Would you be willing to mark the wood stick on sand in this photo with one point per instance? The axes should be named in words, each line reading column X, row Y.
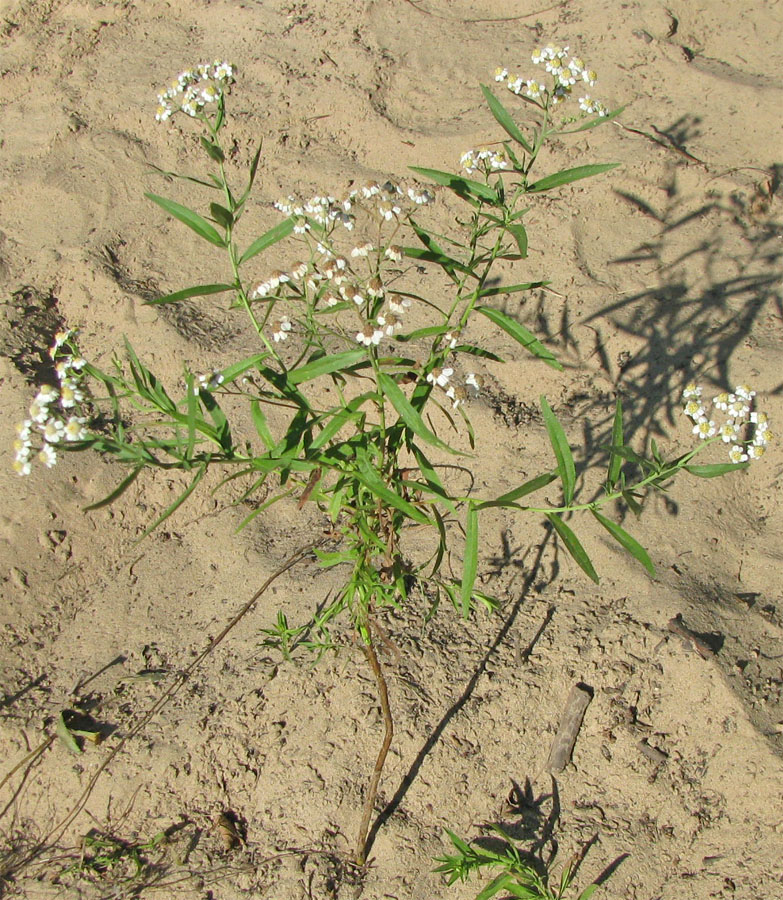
column 570, row 723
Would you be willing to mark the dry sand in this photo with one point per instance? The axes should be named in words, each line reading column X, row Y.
column 665, row 269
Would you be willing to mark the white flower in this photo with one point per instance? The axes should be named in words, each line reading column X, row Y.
column 38, row 412
column 468, row 161
column 209, row 382
column 370, row 189
column 756, row 451
column 501, row 74
column 473, row 381
column 262, row 290
column 284, row 326
column 456, row 395
column 53, row 430
column 394, row 253
column 330, row 299
column 760, row 420
column 24, row 429
column 22, row 466
column 737, row 454
column 298, row 270
column 450, row 340
column 440, row 377
column 370, row 335
column 737, row 408
column 534, row 89
column 398, row 304
column 694, row 409
column 744, row 392
column 48, row 455
column 70, row 394
column 363, row 250
column 729, row 432
column 375, row 288
column 421, row 198
column 46, row 395
column 74, row 429
column 389, row 212
column 59, row 339
column 704, row 428
column 691, row 392
column 721, row 401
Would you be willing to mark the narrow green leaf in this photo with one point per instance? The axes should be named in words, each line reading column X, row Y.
column 470, row 563
column 408, row 414
column 192, row 400
column 221, row 215
column 615, row 459
column 632, row 502
column 571, row 543
column 448, row 263
column 64, row 734
column 512, row 288
column 519, row 234
column 503, row 118
column 503, row 882
column 200, row 290
column 213, row 150
column 588, row 892
column 523, row 490
column 254, row 168
column 223, row 432
column 625, row 540
column 117, row 492
column 431, row 477
column 370, row 478
column 325, row 365
column 594, row 123
column 521, row 335
column 262, row 426
column 462, row 187
column 569, row 175
column 563, row 455
column 268, row 239
column 231, row 373
column 713, row 470
column 192, row 219
column 177, row 503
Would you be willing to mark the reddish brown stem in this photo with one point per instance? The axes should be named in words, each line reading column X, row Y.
column 372, row 789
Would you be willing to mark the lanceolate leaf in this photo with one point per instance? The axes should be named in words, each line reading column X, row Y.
column 594, row 123
column 523, row 490
column 503, row 118
column 373, row 481
column 565, row 460
column 463, row 187
column 520, row 236
column 192, row 219
column 470, row 565
column 327, row 364
column 520, row 334
column 268, row 239
column 119, row 490
column 712, row 470
column 572, row 544
column 408, row 414
column 569, row 175
column 200, row 290
column 631, row 544
column 512, row 288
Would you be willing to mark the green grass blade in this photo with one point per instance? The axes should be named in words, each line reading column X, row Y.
column 563, row 455
column 521, row 335
column 503, row 118
column 594, row 123
column 462, row 187
column 615, row 460
column 200, row 290
column 572, row 544
column 268, row 239
column 178, row 502
column 192, row 219
column 625, row 540
column 470, row 564
column 569, row 175
column 117, row 492
column 408, row 414
column 503, row 882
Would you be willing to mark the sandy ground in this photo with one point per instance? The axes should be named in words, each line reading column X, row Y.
column 666, row 269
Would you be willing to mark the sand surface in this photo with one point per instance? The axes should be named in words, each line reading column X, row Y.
column 664, row 270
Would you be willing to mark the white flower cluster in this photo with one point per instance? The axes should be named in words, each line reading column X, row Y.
column 193, row 89
column 458, row 394
column 565, row 70
column 745, row 429
column 326, row 210
column 483, row 160
column 52, row 415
